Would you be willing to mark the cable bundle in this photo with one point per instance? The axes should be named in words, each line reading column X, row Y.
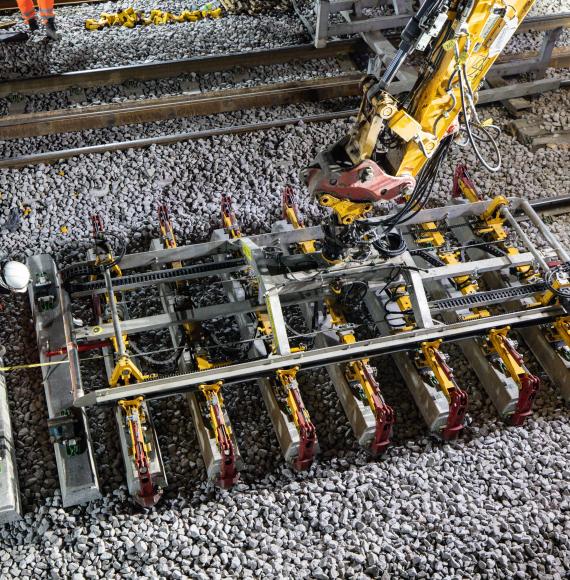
column 391, row 243
column 468, row 98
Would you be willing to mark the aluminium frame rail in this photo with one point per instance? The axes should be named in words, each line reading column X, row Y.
column 375, row 272
column 76, row 467
column 292, row 279
column 244, row 372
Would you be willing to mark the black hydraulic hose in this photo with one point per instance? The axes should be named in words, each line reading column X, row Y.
column 390, row 244
column 412, row 32
column 472, row 138
column 424, row 186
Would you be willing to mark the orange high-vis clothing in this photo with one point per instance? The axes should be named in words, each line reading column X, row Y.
column 46, row 9
column 28, row 11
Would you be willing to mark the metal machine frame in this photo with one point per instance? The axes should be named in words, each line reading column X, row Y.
column 264, row 276
column 10, row 504
column 355, row 23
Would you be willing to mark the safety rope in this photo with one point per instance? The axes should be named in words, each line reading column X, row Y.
column 129, row 18
column 83, row 360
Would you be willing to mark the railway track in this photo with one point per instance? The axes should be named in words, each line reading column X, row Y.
column 151, row 110
column 54, row 156
column 105, row 77
column 313, row 90
column 215, row 102
column 215, row 63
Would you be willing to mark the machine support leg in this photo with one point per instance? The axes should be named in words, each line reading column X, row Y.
column 10, row 505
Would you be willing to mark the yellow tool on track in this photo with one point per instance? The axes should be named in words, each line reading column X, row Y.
column 130, row 17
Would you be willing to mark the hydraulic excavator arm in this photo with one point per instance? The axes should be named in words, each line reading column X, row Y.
column 395, row 147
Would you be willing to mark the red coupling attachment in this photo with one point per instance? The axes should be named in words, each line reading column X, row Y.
column 384, row 414
column 385, row 419
column 307, row 436
column 367, row 182
column 229, row 474
column 462, row 181
column 457, row 410
column 527, row 394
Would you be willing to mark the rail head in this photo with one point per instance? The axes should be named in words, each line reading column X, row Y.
column 168, row 69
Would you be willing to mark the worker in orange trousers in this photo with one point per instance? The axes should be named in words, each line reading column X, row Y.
column 46, row 14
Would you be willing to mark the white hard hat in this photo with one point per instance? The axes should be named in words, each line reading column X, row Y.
column 15, row 276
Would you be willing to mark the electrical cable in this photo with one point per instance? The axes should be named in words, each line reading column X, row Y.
column 424, row 187
column 348, row 294
column 470, row 135
column 390, row 244
column 563, row 292
column 399, row 313
column 153, row 361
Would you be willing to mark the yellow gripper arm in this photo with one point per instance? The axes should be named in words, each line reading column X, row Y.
column 396, row 146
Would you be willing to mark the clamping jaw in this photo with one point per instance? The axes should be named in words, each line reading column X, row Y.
column 346, row 172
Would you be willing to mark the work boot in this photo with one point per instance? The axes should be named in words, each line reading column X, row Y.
column 33, row 24
column 50, row 29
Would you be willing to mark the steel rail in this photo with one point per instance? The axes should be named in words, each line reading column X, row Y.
column 545, row 22
column 54, row 156
column 488, row 96
column 169, row 69
column 150, row 110
column 549, row 204
column 174, row 68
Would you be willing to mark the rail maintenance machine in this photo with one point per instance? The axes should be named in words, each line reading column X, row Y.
column 400, row 281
